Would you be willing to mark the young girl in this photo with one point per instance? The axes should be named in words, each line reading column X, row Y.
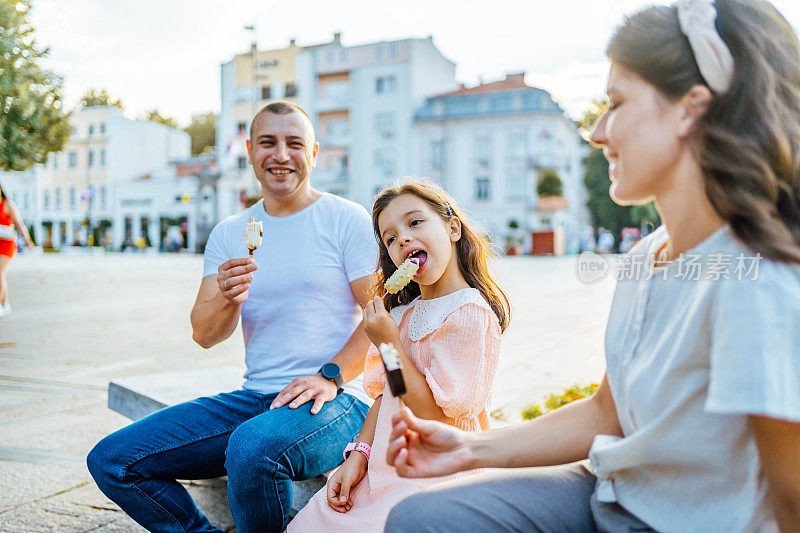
column 696, row 426
column 446, row 326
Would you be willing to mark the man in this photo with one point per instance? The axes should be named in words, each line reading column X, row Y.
column 298, row 301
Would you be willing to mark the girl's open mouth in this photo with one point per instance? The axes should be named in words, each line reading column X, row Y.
column 421, row 257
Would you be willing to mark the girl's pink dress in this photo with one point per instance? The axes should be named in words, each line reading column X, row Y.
column 455, row 342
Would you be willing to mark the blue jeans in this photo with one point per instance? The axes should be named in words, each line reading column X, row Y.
column 260, row 450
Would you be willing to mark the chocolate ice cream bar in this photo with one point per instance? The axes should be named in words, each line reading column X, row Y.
column 394, row 372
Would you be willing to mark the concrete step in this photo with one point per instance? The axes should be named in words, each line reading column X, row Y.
column 138, row 396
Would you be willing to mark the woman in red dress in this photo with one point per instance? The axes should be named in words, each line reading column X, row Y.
column 9, row 220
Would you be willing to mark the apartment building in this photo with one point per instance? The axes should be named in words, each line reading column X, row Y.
column 362, row 100
column 488, row 144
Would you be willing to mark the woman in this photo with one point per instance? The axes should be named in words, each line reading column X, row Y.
column 9, row 219
column 696, row 425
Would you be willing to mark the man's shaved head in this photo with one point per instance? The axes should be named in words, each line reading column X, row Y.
column 281, row 108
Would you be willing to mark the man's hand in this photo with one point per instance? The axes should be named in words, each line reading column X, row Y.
column 426, row 448
column 344, row 480
column 234, row 278
column 379, row 324
column 304, row 389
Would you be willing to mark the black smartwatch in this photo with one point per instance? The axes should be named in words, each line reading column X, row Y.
column 332, row 372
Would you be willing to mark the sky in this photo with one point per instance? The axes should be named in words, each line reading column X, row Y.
column 166, row 54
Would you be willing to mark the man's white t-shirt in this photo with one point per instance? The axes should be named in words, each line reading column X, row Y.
column 300, row 311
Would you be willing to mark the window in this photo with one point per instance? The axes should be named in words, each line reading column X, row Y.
column 91, row 158
column 102, row 128
column 73, row 159
column 516, row 145
column 483, row 190
column 337, row 90
column 291, row 90
column 73, row 131
column 58, row 198
column 102, row 197
column 336, row 129
column 437, row 154
column 384, row 161
column 46, row 200
column 102, row 157
column 385, row 84
column 483, row 149
column 384, row 124
column 266, row 92
column 242, row 162
column 515, row 185
column 27, row 200
column 72, row 197
column 55, row 160
column 91, row 130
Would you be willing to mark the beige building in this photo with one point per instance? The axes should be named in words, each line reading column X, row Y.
column 248, row 82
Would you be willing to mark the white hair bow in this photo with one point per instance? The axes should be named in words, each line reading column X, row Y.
column 714, row 59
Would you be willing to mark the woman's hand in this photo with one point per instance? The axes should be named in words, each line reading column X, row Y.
column 344, row 480
column 379, row 324
column 425, row 448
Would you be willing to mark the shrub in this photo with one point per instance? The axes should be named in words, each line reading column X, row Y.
column 549, row 184
column 554, row 401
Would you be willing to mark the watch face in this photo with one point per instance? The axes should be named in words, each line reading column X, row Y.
column 330, row 370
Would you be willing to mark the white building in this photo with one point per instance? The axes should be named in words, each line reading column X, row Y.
column 487, row 145
column 79, row 184
column 362, row 100
column 168, row 204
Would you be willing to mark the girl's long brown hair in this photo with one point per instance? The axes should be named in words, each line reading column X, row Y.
column 472, row 249
column 748, row 141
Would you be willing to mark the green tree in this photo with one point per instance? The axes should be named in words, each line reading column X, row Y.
column 155, row 116
column 203, row 131
column 603, row 210
column 549, row 184
column 95, row 98
column 32, row 120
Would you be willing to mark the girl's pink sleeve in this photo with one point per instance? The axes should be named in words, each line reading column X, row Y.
column 464, row 354
column 374, row 374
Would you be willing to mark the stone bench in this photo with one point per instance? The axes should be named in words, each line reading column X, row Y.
column 138, row 396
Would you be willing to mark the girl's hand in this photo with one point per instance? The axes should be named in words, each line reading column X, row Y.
column 379, row 324
column 344, row 479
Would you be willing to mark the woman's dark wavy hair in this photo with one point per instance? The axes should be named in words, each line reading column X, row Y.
column 473, row 249
column 748, row 142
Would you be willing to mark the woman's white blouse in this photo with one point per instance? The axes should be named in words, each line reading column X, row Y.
column 691, row 351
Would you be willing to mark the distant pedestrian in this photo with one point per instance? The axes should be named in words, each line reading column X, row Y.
column 588, row 243
column 605, row 241
column 9, row 220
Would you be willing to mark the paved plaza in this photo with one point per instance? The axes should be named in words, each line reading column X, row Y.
column 80, row 320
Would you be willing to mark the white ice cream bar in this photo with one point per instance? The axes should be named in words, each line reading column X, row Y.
column 402, row 276
column 390, row 356
column 252, row 234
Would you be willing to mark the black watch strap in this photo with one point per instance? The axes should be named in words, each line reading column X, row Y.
column 332, row 372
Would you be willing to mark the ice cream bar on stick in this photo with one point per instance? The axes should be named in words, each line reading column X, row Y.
column 394, row 369
column 402, row 276
column 252, row 235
